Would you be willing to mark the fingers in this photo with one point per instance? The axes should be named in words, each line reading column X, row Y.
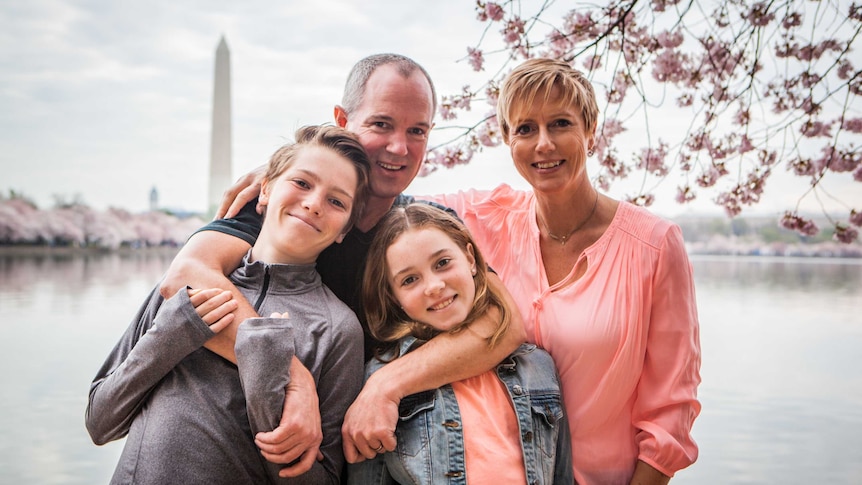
column 368, row 446
column 302, row 466
column 283, row 453
column 280, row 315
column 240, row 193
column 242, row 198
column 214, row 306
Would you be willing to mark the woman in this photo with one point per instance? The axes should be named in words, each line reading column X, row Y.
column 191, row 416
column 604, row 286
column 425, row 276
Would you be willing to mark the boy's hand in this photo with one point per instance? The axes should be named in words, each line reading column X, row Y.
column 214, row 306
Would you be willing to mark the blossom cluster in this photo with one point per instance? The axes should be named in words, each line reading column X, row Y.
column 757, row 84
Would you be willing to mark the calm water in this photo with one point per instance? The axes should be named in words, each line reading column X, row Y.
column 782, row 366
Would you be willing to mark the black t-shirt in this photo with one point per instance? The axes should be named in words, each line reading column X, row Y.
column 340, row 265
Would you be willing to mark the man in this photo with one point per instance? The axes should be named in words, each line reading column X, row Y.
column 389, row 102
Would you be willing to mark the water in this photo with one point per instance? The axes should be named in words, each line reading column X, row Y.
column 782, row 366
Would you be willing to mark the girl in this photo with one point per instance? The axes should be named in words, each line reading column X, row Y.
column 189, row 415
column 424, row 275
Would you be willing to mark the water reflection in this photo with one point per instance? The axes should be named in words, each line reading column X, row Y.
column 817, row 274
column 782, row 370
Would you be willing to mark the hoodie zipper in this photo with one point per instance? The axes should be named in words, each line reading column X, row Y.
column 263, row 290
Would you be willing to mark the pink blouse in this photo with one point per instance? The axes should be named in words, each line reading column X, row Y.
column 624, row 337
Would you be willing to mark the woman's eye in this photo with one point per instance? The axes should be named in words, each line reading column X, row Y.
column 562, row 123
column 337, row 203
column 443, row 262
column 408, row 280
column 522, row 130
column 302, row 183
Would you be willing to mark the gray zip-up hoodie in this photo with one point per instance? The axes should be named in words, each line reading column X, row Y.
column 190, row 415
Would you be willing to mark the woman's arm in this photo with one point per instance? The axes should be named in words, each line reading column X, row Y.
column 666, row 404
column 444, row 359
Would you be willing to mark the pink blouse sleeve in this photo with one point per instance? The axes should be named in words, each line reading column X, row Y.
column 666, row 403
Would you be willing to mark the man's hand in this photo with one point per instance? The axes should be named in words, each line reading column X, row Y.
column 296, row 440
column 241, row 193
column 214, row 306
column 369, row 425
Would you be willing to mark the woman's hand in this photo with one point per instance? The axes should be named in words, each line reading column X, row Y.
column 214, row 306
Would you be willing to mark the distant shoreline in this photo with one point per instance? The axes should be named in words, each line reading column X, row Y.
column 40, row 250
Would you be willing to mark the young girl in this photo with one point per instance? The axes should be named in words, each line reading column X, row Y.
column 425, row 275
column 191, row 416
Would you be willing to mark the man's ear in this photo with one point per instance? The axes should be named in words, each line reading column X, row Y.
column 340, row 116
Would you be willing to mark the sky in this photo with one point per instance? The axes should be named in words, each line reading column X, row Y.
column 103, row 100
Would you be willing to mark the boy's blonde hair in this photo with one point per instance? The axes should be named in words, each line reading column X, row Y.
column 338, row 140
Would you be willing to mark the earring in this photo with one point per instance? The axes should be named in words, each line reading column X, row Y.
column 590, row 152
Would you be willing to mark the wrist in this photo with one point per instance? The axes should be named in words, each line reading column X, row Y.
column 385, row 383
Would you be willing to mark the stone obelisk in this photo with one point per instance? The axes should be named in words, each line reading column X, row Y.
column 220, row 145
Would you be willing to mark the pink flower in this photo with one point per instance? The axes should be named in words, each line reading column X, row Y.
column 793, row 19
column 759, row 15
column 670, row 40
column 853, row 125
column 813, row 129
column 745, row 144
column 513, row 31
column 794, row 222
column 653, row 160
column 494, row 11
column 855, row 218
column 476, row 58
column 845, row 234
column 643, row 200
column 684, row 195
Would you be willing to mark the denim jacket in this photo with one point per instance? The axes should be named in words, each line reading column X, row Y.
column 430, row 448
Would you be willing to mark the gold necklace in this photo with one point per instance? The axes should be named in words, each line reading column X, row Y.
column 564, row 239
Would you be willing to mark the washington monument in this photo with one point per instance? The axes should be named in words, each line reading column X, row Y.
column 220, row 145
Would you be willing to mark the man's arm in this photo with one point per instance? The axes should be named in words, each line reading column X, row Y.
column 446, row 358
column 203, row 263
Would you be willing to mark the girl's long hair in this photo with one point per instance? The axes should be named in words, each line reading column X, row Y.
column 387, row 321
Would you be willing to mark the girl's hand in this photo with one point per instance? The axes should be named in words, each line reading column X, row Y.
column 215, row 307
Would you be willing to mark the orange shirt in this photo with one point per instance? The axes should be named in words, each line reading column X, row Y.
column 624, row 337
column 492, row 443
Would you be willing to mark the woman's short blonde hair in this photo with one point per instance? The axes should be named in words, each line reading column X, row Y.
column 534, row 80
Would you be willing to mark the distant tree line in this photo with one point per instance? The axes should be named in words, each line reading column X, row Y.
column 74, row 224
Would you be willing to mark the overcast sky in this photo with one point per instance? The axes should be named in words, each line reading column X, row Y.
column 106, row 99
